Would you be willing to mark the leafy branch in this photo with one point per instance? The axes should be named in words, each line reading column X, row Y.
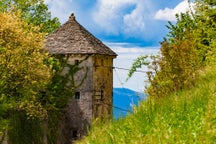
column 138, row 63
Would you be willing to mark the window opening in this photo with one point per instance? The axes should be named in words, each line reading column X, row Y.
column 77, row 95
column 102, row 94
column 76, row 62
column 75, row 134
column 102, row 62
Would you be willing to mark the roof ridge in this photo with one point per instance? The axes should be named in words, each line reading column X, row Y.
column 73, row 38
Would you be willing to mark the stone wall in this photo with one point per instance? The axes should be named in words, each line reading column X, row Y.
column 78, row 113
column 92, row 99
column 103, row 86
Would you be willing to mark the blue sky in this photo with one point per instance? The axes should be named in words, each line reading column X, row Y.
column 130, row 27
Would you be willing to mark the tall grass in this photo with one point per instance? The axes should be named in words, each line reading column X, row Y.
column 187, row 116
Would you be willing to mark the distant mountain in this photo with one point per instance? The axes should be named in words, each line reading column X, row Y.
column 123, row 100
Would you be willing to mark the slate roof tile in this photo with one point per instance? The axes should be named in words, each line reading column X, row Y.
column 73, row 38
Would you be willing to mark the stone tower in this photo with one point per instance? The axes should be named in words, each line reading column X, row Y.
column 93, row 98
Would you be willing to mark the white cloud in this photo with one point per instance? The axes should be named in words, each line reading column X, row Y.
column 122, row 16
column 169, row 14
column 134, row 22
column 109, row 13
column 134, row 52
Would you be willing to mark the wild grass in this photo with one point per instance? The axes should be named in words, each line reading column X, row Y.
column 187, row 116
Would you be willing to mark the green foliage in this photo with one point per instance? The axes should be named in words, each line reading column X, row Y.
column 22, row 75
column 21, row 127
column 181, row 103
column 138, row 63
column 62, row 84
column 189, row 46
column 206, row 23
column 22, row 71
column 177, row 68
column 187, row 116
column 33, row 11
column 177, row 64
column 34, row 87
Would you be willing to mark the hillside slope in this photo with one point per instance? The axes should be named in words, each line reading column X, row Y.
column 188, row 116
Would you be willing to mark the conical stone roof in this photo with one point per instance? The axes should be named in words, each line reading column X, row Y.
column 73, row 38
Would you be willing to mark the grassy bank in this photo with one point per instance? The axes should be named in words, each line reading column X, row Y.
column 188, row 116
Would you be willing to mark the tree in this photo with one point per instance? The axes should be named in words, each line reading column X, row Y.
column 23, row 73
column 189, row 46
column 206, row 23
column 176, row 66
column 33, row 11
